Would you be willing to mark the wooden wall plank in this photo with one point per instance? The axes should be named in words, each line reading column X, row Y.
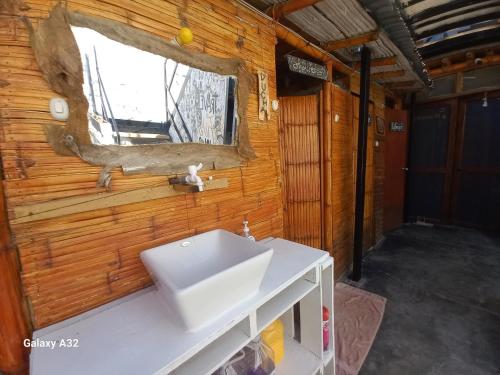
column 343, row 180
column 345, row 135
column 81, row 260
column 13, row 323
column 68, row 206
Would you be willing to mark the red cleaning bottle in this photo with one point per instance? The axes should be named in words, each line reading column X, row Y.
column 326, row 329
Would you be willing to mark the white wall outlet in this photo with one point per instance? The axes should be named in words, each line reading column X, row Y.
column 275, row 105
column 59, row 109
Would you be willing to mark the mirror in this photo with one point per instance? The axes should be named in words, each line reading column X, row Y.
column 133, row 67
column 139, row 98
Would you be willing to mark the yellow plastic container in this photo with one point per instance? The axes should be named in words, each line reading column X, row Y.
column 274, row 337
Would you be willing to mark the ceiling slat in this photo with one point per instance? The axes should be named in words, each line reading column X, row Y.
column 467, row 19
column 458, row 10
column 474, row 38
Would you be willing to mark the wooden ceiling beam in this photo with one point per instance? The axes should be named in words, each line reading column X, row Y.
column 389, row 74
column 445, row 61
column 350, row 42
column 292, row 38
column 384, row 61
column 394, row 85
column 468, row 64
column 280, row 10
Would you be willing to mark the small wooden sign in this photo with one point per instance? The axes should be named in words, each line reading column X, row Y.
column 380, row 126
column 397, row 126
column 308, row 68
column 264, row 107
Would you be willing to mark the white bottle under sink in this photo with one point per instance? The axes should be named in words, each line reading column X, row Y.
column 203, row 276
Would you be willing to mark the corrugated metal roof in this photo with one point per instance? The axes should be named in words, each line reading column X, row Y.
column 389, row 17
column 331, row 20
column 445, row 26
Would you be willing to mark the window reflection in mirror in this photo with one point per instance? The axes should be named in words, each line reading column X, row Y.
column 136, row 97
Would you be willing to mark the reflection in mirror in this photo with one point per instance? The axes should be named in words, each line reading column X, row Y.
column 136, row 97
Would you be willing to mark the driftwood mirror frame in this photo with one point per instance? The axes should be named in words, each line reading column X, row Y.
column 58, row 57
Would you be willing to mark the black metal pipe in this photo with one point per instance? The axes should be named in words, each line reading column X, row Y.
column 364, row 98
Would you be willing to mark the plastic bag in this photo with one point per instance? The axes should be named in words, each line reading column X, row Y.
column 274, row 337
column 253, row 359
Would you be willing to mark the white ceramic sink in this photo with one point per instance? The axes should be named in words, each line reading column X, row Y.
column 203, row 276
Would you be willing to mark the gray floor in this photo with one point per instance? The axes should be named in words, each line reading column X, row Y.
column 443, row 310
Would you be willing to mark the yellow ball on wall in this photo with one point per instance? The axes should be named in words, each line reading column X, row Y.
column 185, row 36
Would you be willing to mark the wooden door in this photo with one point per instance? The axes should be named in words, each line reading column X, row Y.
column 476, row 193
column 396, row 149
column 301, row 169
column 432, row 143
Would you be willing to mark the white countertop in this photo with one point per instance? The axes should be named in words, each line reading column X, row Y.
column 135, row 335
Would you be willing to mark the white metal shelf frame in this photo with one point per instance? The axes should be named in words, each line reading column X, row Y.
column 155, row 344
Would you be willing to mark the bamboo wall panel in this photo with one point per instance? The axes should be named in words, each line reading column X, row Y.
column 79, row 261
column 343, row 180
column 300, row 147
column 344, row 153
column 327, row 164
column 378, row 96
column 379, row 177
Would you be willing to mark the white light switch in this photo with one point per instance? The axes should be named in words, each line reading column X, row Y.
column 59, row 109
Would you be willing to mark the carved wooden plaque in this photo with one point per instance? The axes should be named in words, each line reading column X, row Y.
column 264, row 110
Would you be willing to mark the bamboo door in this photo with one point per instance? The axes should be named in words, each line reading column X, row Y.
column 301, row 169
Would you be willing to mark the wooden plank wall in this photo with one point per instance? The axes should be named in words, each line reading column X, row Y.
column 301, row 172
column 345, row 138
column 378, row 165
column 368, row 225
column 344, row 153
column 343, row 180
column 76, row 262
column 13, row 323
